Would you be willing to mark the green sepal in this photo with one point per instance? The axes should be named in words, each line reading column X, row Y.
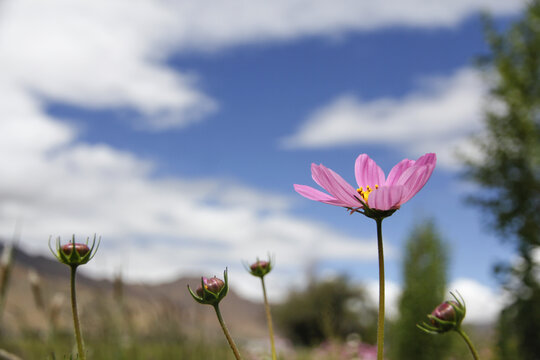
column 443, row 326
column 209, row 297
column 74, row 258
column 369, row 212
column 259, row 271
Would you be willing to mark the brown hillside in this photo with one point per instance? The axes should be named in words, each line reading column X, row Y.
column 136, row 307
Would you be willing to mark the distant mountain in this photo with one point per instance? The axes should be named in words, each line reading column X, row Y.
column 148, row 306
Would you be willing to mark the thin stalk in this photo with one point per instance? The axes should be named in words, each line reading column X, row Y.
column 226, row 332
column 6, row 263
column 380, row 321
column 269, row 320
column 469, row 343
column 76, row 324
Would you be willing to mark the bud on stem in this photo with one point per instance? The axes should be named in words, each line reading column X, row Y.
column 448, row 317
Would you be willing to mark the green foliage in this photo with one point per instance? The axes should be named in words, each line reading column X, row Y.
column 110, row 334
column 510, row 147
column 31, row 346
column 509, row 170
column 327, row 310
column 424, row 287
column 113, row 333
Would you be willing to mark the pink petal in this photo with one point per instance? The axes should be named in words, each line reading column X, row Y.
column 367, row 172
column 386, row 197
column 334, row 184
column 315, row 175
column 314, row 194
column 406, row 175
column 416, row 180
column 320, row 177
column 343, row 190
column 427, row 159
column 397, row 170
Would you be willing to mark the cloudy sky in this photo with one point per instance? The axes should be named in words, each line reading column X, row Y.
column 176, row 130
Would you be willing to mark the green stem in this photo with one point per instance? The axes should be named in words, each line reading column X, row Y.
column 269, row 320
column 76, row 324
column 226, row 332
column 380, row 321
column 6, row 263
column 469, row 343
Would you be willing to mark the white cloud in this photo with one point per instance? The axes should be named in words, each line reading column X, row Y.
column 153, row 228
column 483, row 303
column 437, row 117
column 214, row 24
column 98, row 54
column 110, row 54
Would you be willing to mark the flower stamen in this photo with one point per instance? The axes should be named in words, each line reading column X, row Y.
column 365, row 193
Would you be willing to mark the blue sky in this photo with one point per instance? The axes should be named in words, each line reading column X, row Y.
column 176, row 132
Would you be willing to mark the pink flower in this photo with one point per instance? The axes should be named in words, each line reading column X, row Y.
column 213, row 284
column 374, row 192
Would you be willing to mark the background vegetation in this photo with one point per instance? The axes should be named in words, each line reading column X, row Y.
column 424, row 287
column 508, row 169
column 333, row 319
column 327, row 310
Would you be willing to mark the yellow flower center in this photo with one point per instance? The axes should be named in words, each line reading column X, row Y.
column 365, row 193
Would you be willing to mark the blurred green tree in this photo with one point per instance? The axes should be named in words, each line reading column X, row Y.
column 424, row 287
column 508, row 167
column 327, row 310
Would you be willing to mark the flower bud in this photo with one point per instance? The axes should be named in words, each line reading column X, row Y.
column 82, row 249
column 211, row 291
column 445, row 311
column 260, row 268
column 82, row 254
column 213, row 284
column 445, row 317
column 259, row 264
